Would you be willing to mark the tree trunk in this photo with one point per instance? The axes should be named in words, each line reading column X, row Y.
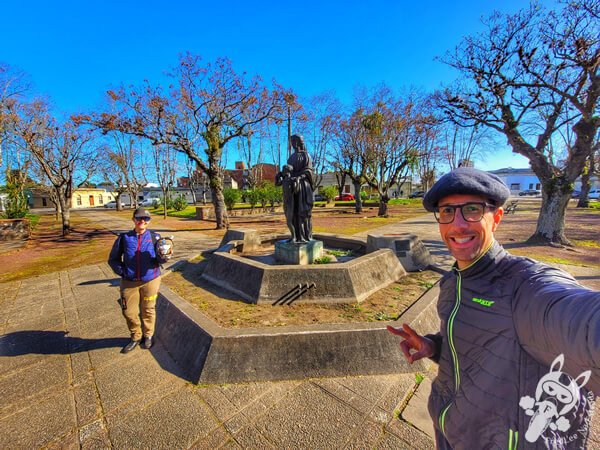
column 118, row 200
column 358, row 199
column 65, row 212
column 551, row 221
column 165, row 202
column 220, row 210
column 584, row 201
column 383, row 205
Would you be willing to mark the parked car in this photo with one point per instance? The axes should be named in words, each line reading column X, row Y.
column 417, row 194
column 149, row 202
column 113, row 205
column 532, row 192
column 594, row 194
column 345, row 197
column 320, row 198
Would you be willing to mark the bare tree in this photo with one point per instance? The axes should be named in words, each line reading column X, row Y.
column 210, row 106
column 165, row 163
column 59, row 149
column 391, row 133
column 323, row 115
column 523, row 73
column 13, row 86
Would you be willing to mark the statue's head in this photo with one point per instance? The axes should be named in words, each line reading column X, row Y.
column 298, row 142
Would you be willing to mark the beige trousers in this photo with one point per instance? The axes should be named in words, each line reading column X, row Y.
column 140, row 295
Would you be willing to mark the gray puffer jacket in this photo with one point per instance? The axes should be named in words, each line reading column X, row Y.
column 504, row 321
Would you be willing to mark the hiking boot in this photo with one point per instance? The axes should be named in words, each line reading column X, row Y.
column 147, row 342
column 130, row 346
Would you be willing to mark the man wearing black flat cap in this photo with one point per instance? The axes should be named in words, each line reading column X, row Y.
column 135, row 259
column 519, row 344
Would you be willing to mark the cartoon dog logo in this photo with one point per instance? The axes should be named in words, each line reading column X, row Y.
column 556, row 394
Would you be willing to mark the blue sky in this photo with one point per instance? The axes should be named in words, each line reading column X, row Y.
column 75, row 51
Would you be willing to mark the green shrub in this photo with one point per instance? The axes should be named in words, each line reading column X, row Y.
column 329, row 192
column 180, row 203
column 252, row 197
column 161, row 202
column 231, row 196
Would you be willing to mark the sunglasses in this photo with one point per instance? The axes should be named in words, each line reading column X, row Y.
column 139, row 219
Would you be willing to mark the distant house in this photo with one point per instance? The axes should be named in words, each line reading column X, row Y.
column 400, row 189
column 260, row 172
column 81, row 198
column 519, row 180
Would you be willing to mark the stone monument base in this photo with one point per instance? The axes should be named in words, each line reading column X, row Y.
column 409, row 249
column 298, row 253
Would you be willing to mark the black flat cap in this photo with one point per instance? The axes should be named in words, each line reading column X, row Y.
column 141, row 212
column 467, row 180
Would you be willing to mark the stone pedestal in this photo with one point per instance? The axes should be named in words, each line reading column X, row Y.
column 298, row 253
column 250, row 238
column 409, row 249
column 204, row 212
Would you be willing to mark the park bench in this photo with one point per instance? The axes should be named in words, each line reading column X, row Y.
column 510, row 209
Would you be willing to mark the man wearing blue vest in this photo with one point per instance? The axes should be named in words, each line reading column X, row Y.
column 135, row 259
column 518, row 350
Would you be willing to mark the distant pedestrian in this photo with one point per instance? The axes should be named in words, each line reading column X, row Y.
column 136, row 259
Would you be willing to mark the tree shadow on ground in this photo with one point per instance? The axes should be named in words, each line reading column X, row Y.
column 38, row 342
column 52, row 343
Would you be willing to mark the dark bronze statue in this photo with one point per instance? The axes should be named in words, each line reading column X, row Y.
column 297, row 181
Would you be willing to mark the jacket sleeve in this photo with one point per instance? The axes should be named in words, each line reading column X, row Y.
column 437, row 340
column 555, row 315
column 115, row 259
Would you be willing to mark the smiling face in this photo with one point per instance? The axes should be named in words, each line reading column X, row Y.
column 140, row 225
column 467, row 241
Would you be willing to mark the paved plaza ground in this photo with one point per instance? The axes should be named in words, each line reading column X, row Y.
column 65, row 384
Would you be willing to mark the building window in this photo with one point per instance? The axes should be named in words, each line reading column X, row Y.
column 100, row 200
column 78, row 200
column 515, row 186
column 44, row 201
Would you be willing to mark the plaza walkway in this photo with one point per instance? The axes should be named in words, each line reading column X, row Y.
column 64, row 383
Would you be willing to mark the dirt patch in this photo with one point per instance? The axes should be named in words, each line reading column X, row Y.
column 582, row 228
column 47, row 251
column 231, row 311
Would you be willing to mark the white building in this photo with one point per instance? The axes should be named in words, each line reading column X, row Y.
column 519, row 180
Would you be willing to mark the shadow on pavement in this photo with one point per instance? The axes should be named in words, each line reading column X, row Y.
column 52, row 343
column 109, row 281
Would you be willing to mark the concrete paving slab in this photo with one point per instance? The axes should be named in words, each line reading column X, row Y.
column 222, row 407
column 309, row 418
column 127, row 379
column 399, row 387
column 392, row 442
column 94, row 436
column 366, row 435
column 341, row 392
column 40, row 422
column 416, row 413
column 215, row 439
column 18, row 388
column 250, row 437
column 176, row 421
column 68, row 442
column 87, row 403
column 412, row 437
